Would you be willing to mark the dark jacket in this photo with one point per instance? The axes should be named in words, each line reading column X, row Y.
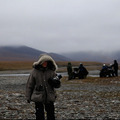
column 69, row 68
column 115, row 65
column 82, row 69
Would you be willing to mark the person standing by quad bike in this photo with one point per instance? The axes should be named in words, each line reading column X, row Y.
column 40, row 87
column 69, row 70
column 115, row 67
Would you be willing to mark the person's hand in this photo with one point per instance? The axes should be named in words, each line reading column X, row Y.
column 28, row 101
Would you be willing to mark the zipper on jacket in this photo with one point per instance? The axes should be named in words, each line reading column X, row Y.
column 45, row 86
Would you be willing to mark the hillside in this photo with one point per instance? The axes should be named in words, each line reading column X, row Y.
column 94, row 56
column 24, row 53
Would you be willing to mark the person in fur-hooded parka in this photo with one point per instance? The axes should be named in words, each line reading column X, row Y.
column 38, row 88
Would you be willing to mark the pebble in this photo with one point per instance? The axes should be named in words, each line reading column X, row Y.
column 74, row 101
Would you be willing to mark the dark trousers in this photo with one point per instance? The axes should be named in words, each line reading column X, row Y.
column 116, row 72
column 49, row 108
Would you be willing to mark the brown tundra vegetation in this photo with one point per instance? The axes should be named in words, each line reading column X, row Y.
column 25, row 65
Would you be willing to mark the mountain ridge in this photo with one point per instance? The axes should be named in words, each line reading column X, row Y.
column 24, row 53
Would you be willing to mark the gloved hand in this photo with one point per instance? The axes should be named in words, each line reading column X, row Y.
column 28, row 101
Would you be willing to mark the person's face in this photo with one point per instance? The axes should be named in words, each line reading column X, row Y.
column 44, row 64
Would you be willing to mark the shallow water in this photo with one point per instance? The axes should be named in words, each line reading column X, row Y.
column 92, row 73
column 3, row 75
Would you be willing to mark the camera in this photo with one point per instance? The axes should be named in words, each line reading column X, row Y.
column 55, row 82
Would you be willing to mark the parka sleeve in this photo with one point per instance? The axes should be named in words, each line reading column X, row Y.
column 30, row 86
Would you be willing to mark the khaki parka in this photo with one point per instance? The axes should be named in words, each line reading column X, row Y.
column 38, row 89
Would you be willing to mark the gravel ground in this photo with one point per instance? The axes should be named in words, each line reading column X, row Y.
column 96, row 98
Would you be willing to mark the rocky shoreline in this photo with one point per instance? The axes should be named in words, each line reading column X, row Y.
column 77, row 99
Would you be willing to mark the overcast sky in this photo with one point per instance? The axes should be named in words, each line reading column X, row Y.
column 61, row 25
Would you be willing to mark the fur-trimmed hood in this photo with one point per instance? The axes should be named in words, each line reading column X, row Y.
column 49, row 59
